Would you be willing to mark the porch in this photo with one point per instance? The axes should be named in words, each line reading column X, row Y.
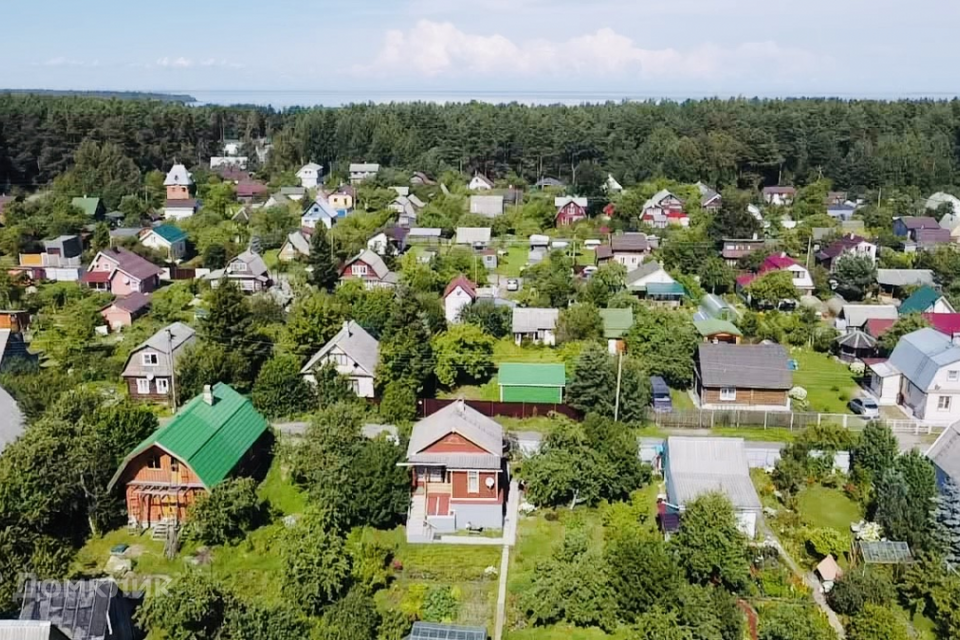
column 151, row 504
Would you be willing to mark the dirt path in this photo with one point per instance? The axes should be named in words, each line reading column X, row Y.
column 509, row 540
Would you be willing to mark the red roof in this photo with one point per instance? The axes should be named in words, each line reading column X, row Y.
column 461, row 281
column 876, row 327
column 947, row 323
column 746, row 279
column 250, row 189
column 777, row 262
column 673, row 213
column 96, row 276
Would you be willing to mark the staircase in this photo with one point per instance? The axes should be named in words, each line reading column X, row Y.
column 161, row 530
column 418, row 530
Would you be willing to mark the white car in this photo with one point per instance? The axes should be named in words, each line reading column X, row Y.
column 513, row 284
column 866, row 407
column 589, row 271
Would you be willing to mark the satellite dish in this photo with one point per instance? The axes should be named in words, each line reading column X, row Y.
column 489, row 483
column 150, row 376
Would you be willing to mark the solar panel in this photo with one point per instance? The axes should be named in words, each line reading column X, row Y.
column 434, row 631
column 885, row 552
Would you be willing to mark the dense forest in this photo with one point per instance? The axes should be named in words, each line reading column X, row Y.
column 747, row 143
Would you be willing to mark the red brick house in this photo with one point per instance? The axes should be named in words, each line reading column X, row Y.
column 121, row 272
column 370, row 268
column 570, row 210
column 458, row 473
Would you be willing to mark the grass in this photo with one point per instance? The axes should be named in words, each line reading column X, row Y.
column 827, row 508
column 506, row 350
column 830, row 384
column 681, row 399
column 510, row 265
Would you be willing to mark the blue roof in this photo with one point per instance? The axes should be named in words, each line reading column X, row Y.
column 921, row 300
column 170, row 233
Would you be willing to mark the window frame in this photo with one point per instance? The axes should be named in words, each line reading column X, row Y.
column 728, row 394
column 953, row 375
column 473, row 482
column 944, row 403
column 163, row 385
column 150, row 359
column 143, row 385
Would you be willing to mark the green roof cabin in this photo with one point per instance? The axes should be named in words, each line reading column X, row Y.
column 216, row 435
column 926, row 300
column 93, row 207
column 715, row 330
column 616, row 324
column 532, row 383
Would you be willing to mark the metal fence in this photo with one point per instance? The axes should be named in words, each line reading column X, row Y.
column 754, row 419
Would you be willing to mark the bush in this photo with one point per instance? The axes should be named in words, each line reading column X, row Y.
column 825, row 541
column 855, row 590
column 399, row 403
column 231, row 509
column 440, row 605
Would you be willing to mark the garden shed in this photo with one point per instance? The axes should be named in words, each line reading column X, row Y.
column 522, row 382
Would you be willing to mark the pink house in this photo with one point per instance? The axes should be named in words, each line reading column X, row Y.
column 122, row 272
column 125, row 310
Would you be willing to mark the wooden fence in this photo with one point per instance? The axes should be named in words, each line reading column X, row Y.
column 428, row 406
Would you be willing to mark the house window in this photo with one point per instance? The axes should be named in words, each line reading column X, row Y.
column 473, row 482
column 150, row 359
column 143, row 385
column 238, row 266
column 436, row 474
column 153, row 462
column 953, row 376
column 163, row 385
column 355, row 386
column 359, row 270
column 728, row 394
column 943, row 403
column 174, row 465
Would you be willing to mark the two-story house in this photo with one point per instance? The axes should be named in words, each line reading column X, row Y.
column 148, row 373
column 360, row 171
column 779, row 196
column 458, row 473
column 480, row 182
column 848, row 245
column 343, row 198
column 570, row 210
column 781, row 262
column 926, row 363
column 121, row 272
column 628, row 249
column 908, row 226
column 736, row 248
column 459, row 293
column 180, row 204
column 217, row 435
column 318, row 212
column 248, row 270
column 166, row 239
column 355, row 353
column 310, row 175
column 664, row 209
column 370, row 268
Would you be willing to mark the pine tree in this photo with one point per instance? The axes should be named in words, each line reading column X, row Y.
column 324, row 274
column 948, row 515
column 594, row 382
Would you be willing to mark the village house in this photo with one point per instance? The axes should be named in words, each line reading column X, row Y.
column 217, row 435
column 179, row 203
column 370, row 268
column 360, row 171
column 534, row 325
column 124, row 310
column 926, row 299
column 848, row 245
column 651, row 282
column 616, row 324
column 487, row 206
column 424, row 235
column 166, row 239
column 389, row 242
column 946, row 323
column 909, row 226
column 343, row 199
column 928, row 240
column 459, row 293
column 532, row 382
column 480, row 183
column 297, row 245
column 714, row 330
column 735, row 249
column 842, row 211
column 61, row 260
column 570, row 210
column 893, row 281
column 664, row 209
column 945, row 456
column 310, row 175
column 779, row 196
column 355, row 353
column 296, row 194
column 743, row 376
column 694, row 466
column 148, row 373
column 855, row 316
column 475, row 237
column 92, row 207
column 318, row 212
column 74, row 610
column 458, row 473
column 247, row 270
column 121, row 272
column 802, row 280
column 710, row 200
column 628, row 249
column 250, row 190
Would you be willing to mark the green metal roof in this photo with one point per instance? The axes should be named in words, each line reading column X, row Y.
column 532, row 375
column 89, row 205
column 712, row 327
column 170, row 233
column 616, row 322
column 922, row 299
column 210, row 439
column 666, row 289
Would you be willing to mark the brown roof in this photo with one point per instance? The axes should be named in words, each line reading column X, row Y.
column 630, row 242
column 187, row 203
column 132, row 264
column 133, row 302
column 604, row 252
column 920, row 222
column 461, row 281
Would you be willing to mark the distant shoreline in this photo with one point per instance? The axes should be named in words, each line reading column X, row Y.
column 120, row 95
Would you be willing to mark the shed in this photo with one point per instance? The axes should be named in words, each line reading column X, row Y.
column 828, row 569
column 713, row 330
column 522, row 382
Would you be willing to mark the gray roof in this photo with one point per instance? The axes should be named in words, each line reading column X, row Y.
column 745, row 366
column 706, row 193
column 920, row 355
column 630, row 242
column 300, row 242
column 293, row 191
column 531, row 320
column 646, row 269
column 460, row 418
column 457, row 460
column 698, row 465
column 364, row 167
column 11, row 420
column 30, row 630
column 255, row 264
column 82, row 609
column 126, row 232
column 904, row 277
column 658, row 197
column 424, row 232
column 857, row 340
column 180, row 337
column 178, row 175
column 372, row 260
column 471, row 235
column 490, row 206
column 563, row 201
column 354, row 341
column 945, row 452
column 857, row 315
column 372, row 431
column 312, row 166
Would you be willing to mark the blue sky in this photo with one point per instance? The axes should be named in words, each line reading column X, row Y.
column 376, row 48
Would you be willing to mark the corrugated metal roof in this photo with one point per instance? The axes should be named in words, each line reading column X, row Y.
column 81, row 609
column 490, row 206
column 170, row 233
column 29, row 630
column 616, row 322
column 697, row 465
column 461, row 418
column 372, row 260
column 714, row 326
column 531, row 319
column 471, row 235
column 210, row 439
column 945, row 452
column 11, row 420
column 530, row 374
column 920, row 355
column 457, row 460
column 353, row 340
column 857, row 315
column 921, row 300
column 904, row 277
column 745, row 366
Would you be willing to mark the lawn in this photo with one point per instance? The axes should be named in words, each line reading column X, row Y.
column 825, row 507
column 830, row 384
column 681, row 399
column 510, row 265
column 506, row 350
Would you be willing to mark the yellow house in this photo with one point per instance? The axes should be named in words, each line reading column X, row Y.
column 341, row 201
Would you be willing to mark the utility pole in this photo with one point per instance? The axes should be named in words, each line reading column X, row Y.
column 173, row 370
column 809, row 246
column 616, row 406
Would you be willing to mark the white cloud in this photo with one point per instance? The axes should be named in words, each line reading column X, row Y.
column 63, row 61
column 175, row 63
column 438, row 49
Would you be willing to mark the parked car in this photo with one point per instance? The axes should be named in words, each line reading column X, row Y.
column 513, row 284
column 589, row 271
column 866, row 407
column 661, row 395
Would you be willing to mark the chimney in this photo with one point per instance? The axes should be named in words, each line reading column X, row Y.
column 346, row 327
column 460, row 404
column 208, row 394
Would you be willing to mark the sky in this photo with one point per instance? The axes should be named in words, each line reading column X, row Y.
column 321, row 51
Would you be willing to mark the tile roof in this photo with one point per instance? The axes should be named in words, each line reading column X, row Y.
column 531, row 320
column 698, row 465
column 210, row 439
column 532, row 375
column 745, row 366
column 463, row 282
column 616, row 322
column 904, row 277
column 945, row 452
column 354, row 341
column 921, row 300
column 920, row 355
column 460, row 418
column 170, row 233
column 180, row 337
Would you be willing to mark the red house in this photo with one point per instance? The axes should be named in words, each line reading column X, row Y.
column 370, row 268
column 458, row 475
column 570, row 210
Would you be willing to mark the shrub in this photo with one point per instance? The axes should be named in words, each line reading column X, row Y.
column 855, row 590
column 231, row 509
column 825, row 541
column 440, row 605
column 399, row 403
